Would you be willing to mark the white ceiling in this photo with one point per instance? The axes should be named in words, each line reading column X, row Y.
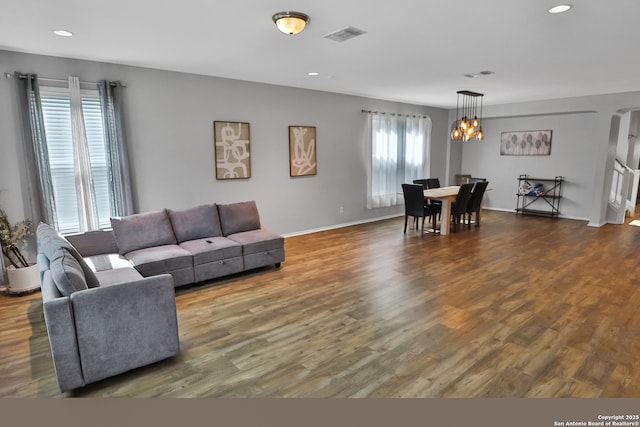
column 415, row 51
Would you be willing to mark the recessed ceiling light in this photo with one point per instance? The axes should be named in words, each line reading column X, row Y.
column 560, row 8
column 62, row 33
column 313, row 73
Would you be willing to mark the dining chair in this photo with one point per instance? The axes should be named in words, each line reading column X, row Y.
column 415, row 206
column 422, row 181
column 434, row 183
column 459, row 206
column 428, row 183
column 473, row 180
column 475, row 201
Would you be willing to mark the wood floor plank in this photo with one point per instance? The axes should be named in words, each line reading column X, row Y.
column 520, row 307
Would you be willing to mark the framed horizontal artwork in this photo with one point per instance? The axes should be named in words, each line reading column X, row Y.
column 232, row 150
column 302, row 151
column 526, row 143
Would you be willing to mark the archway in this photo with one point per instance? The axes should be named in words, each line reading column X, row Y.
column 625, row 176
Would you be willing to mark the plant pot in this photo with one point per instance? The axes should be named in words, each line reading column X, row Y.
column 23, row 279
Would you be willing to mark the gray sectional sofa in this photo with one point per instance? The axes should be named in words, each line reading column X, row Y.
column 108, row 296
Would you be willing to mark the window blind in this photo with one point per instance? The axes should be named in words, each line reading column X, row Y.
column 56, row 108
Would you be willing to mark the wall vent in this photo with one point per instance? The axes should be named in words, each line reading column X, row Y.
column 345, row 34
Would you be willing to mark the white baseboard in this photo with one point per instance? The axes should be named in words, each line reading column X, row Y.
column 380, row 218
column 342, row 225
column 576, row 218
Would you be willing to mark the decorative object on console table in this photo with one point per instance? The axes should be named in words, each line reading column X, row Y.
column 232, row 150
column 540, row 190
column 23, row 277
column 526, row 143
column 462, row 178
column 302, row 151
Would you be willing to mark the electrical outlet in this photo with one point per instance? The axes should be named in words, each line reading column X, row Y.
column 341, row 210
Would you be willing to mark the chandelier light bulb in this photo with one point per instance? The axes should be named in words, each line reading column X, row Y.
column 456, row 133
column 475, row 122
column 470, row 132
column 480, row 134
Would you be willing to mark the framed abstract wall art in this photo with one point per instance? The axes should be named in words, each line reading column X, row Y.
column 232, row 150
column 302, row 151
column 526, row 143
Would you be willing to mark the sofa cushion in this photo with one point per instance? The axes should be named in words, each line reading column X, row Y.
column 118, row 275
column 95, row 242
column 239, row 217
column 160, row 259
column 256, row 241
column 104, row 262
column 49, row 241
column 143, row 230
column 212, row 249
column 195, row 223
column 67, row 273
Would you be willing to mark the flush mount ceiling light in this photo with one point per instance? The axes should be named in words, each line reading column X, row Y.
column 290, row 22
column 62, row 33
column 560, row 8
column 466, row 127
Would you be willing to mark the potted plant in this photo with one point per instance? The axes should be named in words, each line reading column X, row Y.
column 22, row 275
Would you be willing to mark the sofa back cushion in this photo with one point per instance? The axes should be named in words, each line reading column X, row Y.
column 143, row 230
column 90, row 243
column 195, row 223
column 49, row 242
column 239, row 217
column 67, row 273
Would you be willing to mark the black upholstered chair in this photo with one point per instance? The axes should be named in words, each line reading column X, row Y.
column 429, row 183
column 433, row 183
column 415, row 206
column 473, row 207
column 459, row 206
column 422, row 182
column 473, row 180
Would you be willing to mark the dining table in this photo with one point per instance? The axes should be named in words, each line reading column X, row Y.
column 447, row 195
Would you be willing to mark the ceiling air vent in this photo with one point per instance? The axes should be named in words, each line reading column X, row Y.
column 345, row 34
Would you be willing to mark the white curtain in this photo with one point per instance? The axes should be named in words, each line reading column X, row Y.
column 384, row 161
column 397, row 152
column 417, row 147
column 87, row 212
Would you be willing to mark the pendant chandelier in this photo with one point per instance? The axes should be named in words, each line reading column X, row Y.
column 467, row 124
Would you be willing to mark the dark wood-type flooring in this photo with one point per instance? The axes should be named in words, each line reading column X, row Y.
column 520, row 307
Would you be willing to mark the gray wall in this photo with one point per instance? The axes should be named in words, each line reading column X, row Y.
column 169, row 118
column 170, row 128
column 583, row 149
column 570, row 154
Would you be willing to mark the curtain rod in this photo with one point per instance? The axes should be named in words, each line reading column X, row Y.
column 396, row 114
column 49, row 79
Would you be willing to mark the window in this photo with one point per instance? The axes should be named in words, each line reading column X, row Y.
column 78, row 166
column 399, row 147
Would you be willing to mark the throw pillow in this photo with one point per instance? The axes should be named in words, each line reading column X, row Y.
column 49, row 241
column 67, row 273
